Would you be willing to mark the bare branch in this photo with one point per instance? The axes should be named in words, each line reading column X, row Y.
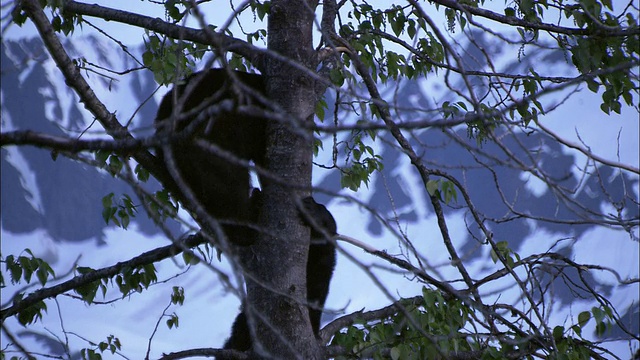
column 175, row 31
column 587, row 152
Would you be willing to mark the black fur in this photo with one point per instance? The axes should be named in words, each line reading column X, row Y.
column 221, row 186
column 322, row 257
column 240, row 334
column 320, row 265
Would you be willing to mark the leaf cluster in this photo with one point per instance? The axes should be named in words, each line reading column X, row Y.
column 128, row 280
column 111, row 344
column 443, row 328
column 430, row 330
column 22, row 268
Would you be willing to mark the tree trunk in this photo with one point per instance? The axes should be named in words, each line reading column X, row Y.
column 276, row 285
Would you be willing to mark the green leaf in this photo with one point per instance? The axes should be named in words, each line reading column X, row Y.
column 583, row 318
column 510, row 12
column 395, row 353
column 558, row 332
column 189, row 258
column 107, row 200
column 56, row 23
column 601, row 329
column 177, row 296
column 397, row 26
column 141, row 173
column 19, row 17
column 336, row 77
column 88, row 291
column 101, row 156
column 103, row 346
column 411, row 29
column 432, row 187
column 32, row 314
column 598, row 314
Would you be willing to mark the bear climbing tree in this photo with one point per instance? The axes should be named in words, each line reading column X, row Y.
column 196, row 110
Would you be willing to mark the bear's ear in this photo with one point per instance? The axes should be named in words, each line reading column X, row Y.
column 318, row 218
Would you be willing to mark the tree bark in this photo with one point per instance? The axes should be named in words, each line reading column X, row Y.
column 276, row 269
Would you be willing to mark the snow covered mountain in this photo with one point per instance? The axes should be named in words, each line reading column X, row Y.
column 61, row 197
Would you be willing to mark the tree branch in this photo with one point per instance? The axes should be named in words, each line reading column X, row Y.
column 47, row 141
column 587, row 152
column 175, row 31
column 81, row 280
column 514, row 21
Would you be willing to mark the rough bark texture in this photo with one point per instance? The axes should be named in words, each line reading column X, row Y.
column 276, row 270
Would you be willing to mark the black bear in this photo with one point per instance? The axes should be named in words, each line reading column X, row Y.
column 223, row 187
